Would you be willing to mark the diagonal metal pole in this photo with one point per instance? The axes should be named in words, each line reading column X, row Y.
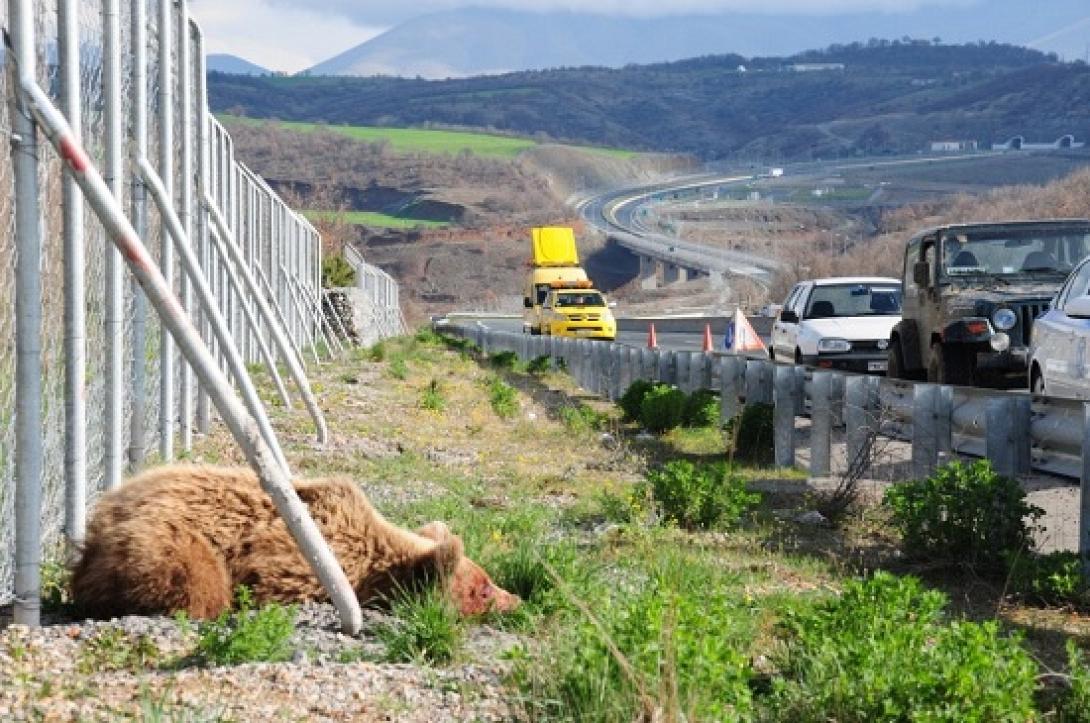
column 275, row 480
column 297, row 305
column 283, row 343
column 192, row 269
column 315, row 313
column 279, row 315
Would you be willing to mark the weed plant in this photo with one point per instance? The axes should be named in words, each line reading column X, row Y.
column 964, row 513
column 423, row 628
column 702, row 409
column 248, row 635
column 1074, row 706
column 503, row 398
column 432, row 398
column 702, row 495
column 112, row 649
column 1052, row 579
column 539, row 365
column 504, row 360
column 377, row 353
column 750, row 436
column 399, row 367
column 426, row 336
column 337, row 273
column 581, row 418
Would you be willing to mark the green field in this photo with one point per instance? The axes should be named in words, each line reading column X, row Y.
column 420, row 140
column 375, row 219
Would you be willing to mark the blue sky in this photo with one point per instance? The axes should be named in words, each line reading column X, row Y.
column 294, row 34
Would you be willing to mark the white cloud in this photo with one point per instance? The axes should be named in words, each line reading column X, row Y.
column 277, row 37
column 392, row 11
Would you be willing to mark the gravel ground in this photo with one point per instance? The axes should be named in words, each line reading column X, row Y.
column 52, row 674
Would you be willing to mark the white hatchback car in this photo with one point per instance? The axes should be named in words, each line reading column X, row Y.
column 1059, row 359
column 839, row 323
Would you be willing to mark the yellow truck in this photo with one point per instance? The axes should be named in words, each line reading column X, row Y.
column 559, row 297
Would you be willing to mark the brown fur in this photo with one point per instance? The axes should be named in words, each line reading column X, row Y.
column 182, row 537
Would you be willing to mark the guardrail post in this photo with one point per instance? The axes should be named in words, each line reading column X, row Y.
column 708, row 364
column 925, row 423
column 732, row 371
column 821, row 424
column 944, row 421
column 1008, row 434
column 783, row 415
column 759, row 380
column 696, row 371
column 683, row 361
column 857, row 412
column 666, row 368
column 619, row 370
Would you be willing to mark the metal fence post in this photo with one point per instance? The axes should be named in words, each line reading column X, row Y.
column 821, row 424
column 166, row 251
column 856, row 395
column 115, row 302
column 203, row 179
column 139, row 122
column 75, row 323
column 783, row 414
column 185, row 212
column 28, row 323
column 759, row 381
column 683, row 379
column 999, row 430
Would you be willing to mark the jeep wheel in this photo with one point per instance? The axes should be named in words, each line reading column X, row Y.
column 951, row 365
column 896, row 364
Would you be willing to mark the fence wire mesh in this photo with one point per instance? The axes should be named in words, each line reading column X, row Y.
column 249, row 207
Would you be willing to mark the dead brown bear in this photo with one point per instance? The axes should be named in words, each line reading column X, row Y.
column 182, row 537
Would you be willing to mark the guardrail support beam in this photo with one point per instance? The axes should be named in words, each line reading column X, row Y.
column 821, row 425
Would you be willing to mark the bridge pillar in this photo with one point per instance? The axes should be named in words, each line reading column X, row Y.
column 649, row 273
column 674, row 274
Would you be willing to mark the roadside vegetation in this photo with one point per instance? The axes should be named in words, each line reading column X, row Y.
column 663, row 576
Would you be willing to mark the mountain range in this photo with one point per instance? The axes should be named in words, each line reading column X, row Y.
column 225, row 63
column 474, row 41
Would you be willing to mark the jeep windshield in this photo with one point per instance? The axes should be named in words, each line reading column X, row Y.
column 581, row 299
column 842, row 300
column 1030, row 252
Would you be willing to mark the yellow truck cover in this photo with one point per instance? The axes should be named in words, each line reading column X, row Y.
column 554, row 246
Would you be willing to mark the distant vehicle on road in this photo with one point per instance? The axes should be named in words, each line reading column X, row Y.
column 1059, row 362
column 578, row 312
column 973, row 293
column 838, row 323
column 554, row 261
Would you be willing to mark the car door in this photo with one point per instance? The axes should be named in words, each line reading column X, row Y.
column 782, row 336
column 1061, row 344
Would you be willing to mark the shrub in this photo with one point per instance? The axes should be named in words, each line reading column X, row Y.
column 539, row 365
column 884, row 651
column 1052, row 579
column 426, row 335
column 337, row 273
column 631, row 401
column 699, row 496
column 662, row 409
column 248, row 635
column 424, row 627
column 504, row 360
column 432, row 398
column 503, row 398
column 702, row 409
column 377, row 353
column 963, row 513
column 751, row 438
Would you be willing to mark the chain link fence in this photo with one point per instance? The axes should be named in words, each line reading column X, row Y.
column 262, row 261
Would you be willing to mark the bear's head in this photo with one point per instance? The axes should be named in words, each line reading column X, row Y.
column 470, row 587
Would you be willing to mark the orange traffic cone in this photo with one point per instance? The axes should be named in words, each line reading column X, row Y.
column 652, row 339
column 707, row 338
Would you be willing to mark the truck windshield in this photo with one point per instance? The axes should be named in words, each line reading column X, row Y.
column 840, row 300
column 999, row 252
column 582, row 299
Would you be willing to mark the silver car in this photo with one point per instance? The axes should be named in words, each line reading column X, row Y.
column 1059, row 359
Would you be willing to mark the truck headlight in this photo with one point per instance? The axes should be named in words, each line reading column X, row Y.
column 834, row 345
column 1004, row 319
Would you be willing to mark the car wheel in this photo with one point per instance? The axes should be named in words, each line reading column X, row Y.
column 535, row 332
column 798, row 357
column 772, row 354
column 951, row 365
column 1037, row 383
column 895, row 362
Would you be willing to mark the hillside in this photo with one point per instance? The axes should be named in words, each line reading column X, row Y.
column 225, row 63
column 466, row 41
column 890, row 97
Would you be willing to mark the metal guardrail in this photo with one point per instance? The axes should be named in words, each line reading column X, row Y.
column 1019, row 433
column 383, row 295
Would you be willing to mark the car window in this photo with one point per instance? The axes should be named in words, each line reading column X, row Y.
column 1078, row 285
column 912, row 255
column 791, row 296
column 579, row 299
column 858, row 299
column 798, row 304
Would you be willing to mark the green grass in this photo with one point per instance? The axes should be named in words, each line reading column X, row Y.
column 374, row 219
column 417, row 140
column 422, row 140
